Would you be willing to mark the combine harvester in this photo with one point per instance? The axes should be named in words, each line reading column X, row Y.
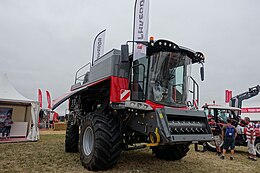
column 123, row 103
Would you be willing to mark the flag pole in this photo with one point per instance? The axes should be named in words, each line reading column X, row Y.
column 134, row 29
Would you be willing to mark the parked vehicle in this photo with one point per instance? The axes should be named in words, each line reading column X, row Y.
column 221, row 114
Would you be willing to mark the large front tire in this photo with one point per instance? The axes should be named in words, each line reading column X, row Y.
column 72, row 138
column 100, row 141
column 175, row 152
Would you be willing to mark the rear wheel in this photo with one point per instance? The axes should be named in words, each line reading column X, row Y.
column 100, row 141
column 257, row 146
column 175, row 152
column 72, row 137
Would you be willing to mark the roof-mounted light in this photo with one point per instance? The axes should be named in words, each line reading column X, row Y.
column 151, row 39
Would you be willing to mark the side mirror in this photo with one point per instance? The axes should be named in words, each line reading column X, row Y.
column 202, row 73
column 124, row 53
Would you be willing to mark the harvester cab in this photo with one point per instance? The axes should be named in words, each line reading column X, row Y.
column 162, row 76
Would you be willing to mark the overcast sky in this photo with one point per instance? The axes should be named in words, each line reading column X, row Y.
column 44, row 42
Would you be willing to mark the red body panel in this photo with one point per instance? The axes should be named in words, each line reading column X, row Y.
column 91, row 84
column 156, row 105
column 116, row 84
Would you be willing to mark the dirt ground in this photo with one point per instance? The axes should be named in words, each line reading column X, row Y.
column 48, row 155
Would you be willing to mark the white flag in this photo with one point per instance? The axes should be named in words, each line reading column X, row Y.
column 141, row 26
column 98, row 46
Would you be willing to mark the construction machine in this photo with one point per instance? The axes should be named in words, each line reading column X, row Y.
column 237, row 100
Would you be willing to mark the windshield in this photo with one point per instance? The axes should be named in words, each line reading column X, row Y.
column 168, row 78
column 221, row 115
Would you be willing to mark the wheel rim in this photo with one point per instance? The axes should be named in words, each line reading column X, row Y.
column 88, row 140
column 257, row 146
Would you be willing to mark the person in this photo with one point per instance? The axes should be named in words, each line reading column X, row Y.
column 257, row 124
column 216, row 131
column 229, row 134
column 7, row 127
column 240, row 130
column 51, row 119
column 250, row 136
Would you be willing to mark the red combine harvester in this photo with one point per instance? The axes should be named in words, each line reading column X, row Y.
column 120, row 103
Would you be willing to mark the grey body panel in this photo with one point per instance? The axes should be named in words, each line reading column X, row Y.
column 106, row 66
column 192, row 113
column 109, row 65
column 192, row 138
column 190, row 125
column 144, row 122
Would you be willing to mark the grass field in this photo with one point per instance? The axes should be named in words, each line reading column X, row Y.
column 47, row 155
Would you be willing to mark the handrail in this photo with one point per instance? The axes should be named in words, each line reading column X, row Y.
column 76, row 75
column 142, row 65
column 194, row 86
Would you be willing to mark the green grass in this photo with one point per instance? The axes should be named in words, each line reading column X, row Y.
column 48, row 155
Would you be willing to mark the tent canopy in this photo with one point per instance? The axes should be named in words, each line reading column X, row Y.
column 9, row 95
column 25, row 108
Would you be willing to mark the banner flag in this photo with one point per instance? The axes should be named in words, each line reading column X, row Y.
column 251, row 110
column 228, row 95
column 141, row 27
column 48, row 99
column 98, row 46
column 40, row 97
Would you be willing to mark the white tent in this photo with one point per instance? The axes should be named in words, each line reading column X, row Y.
column 23, row 109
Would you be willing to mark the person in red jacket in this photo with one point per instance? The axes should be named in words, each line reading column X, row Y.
column 250, row 136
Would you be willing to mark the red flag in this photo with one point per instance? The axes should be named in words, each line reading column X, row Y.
column 40, row 97
column 48, row 99
column 228, row 95
column 55, row 117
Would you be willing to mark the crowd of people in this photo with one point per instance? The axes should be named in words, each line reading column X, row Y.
column 228, row 134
